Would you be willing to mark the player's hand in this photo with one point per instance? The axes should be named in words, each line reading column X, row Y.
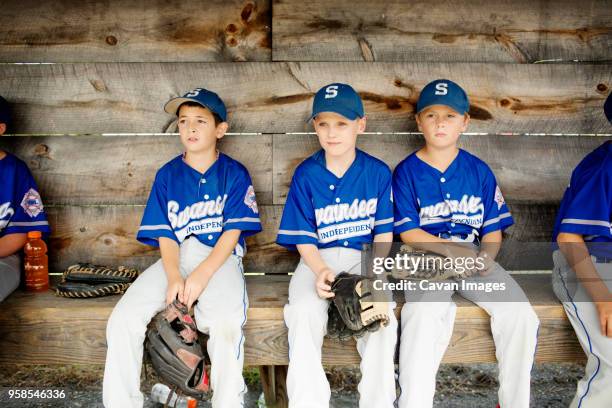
column 194, row 286
column 175, row 289
column 604, row 309
column 322, row 284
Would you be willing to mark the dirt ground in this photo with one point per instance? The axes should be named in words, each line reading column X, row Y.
column 458, row 386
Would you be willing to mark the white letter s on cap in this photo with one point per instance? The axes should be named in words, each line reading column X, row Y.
column 442, row 88
column 331, row 91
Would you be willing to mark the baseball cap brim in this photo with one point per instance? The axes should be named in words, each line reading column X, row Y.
column 608, row 108
column 461, row 109
column 347, row 113
column 173, row 105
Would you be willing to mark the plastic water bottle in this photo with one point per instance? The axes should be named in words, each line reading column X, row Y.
column 160, row 392
column 261, row 402
column 36, row 263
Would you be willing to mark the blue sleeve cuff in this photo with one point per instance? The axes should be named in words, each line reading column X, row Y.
column 403, row 225
column 383, row 226
column 289, row 238
column 151, row 236
column 27, row 226
column 582, row 229
column 499, row 223
column 248, row 225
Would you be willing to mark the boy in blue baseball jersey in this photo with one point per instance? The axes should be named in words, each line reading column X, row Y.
column 21, row 210
column 582, row 277
column 201, row 208
column 444, row 194
column 339, row 199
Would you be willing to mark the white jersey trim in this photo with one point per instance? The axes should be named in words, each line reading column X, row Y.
column 27, row 224
column 154, row 227
column 435, row 220
column 402, row 221
column 382, row 222
column 597, row 223
column 496, row 219
column 307, row 233
column 245, row 219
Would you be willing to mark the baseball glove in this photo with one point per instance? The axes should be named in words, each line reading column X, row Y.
column 85, row 280
column 353, row 311
column 422, row 265
column 176, row 353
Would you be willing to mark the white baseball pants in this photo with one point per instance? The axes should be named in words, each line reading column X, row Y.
column 427, row 322
column 594, row 390
column 220, row 311
column 306, row 319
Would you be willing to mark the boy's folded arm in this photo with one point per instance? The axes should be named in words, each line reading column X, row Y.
column 383, row 244
column 169, row 249
column 221, row 251
column 312, row 257
column 12, row 243
column 490, row 244
column 578, row 257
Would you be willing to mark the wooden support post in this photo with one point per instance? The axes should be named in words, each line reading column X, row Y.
column 273, row 382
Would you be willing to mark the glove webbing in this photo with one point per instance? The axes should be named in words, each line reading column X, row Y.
column 102, row 271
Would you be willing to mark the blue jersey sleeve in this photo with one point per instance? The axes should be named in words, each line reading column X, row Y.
column 155, row 222
column 240, row 211
column 298, row 224
column 586, row 206
column 406, row 212
column 496, row 214
column 28, row 206
column 383, row 221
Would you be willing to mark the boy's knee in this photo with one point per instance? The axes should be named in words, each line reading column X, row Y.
column 424, row 311
column 313, row 312
column 228, row 329
column 520, row 315
column 529, row 316
column 123, row 321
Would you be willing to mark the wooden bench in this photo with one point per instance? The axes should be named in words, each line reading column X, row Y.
column 45, row 329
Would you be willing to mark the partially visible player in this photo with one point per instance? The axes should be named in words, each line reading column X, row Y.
column 444, row 194
column 339, row 200
column 201, row 207
column 582, row 277
column 21, row 210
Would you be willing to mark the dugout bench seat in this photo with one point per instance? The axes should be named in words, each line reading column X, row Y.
column 46, row 329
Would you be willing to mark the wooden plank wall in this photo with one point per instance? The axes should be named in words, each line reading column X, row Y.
column 91, row 126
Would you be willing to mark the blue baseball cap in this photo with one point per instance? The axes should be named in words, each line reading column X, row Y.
column 608, row 108
column 443, row 92
column 339, row 98
column 5, row 112
column 204, row 97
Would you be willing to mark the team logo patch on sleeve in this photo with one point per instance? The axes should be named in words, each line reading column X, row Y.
column 249, row 199
column 499, row 198
column 32, row 203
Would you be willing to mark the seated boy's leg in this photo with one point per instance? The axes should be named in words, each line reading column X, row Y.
column 595, row 388
column 514, row 326
column 377, row 385
column 306, row 319
column 125, row 335
column 427, row 322
column 221, row 311
column 10, row 271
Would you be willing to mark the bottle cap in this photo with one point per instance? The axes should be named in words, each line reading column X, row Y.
column 34, row 234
